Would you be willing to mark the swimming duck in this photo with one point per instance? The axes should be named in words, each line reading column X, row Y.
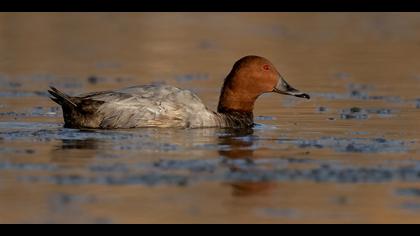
column 167, row 106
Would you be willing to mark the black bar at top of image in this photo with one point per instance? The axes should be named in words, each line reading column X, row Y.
column 209, row 6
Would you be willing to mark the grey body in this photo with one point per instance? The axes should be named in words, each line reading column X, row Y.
column 142, row 106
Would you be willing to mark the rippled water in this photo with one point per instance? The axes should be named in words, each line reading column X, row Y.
column 350, row 154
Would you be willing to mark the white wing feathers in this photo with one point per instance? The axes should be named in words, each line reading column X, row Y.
column 152, row 106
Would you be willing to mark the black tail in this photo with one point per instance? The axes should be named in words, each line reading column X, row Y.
column 61, row 98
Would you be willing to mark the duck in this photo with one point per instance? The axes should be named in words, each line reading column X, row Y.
column 166, row 106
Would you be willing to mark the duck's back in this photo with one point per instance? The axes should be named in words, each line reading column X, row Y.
column 139, row 106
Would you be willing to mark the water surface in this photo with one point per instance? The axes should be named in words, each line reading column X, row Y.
column 349, row 155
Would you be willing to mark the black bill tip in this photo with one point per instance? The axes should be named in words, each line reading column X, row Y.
column 303, row 95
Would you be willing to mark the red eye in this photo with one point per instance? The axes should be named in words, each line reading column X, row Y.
column 266, row 67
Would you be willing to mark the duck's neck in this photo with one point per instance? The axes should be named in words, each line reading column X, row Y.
column 234, row 117
column 231, row 101
column 236, row 106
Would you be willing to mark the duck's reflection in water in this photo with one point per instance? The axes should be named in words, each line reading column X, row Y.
column 76, row 151
column 240, row 145
column 80, row 145
column 87, row 144
column 236, row 146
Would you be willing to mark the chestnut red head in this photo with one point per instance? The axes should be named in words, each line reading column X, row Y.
column 250, row 77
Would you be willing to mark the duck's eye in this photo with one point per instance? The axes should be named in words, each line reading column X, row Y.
column 266, row 67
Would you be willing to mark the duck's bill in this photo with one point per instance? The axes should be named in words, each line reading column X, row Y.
column 284, row 88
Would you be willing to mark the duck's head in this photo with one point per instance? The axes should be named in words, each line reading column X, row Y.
column 249, row 78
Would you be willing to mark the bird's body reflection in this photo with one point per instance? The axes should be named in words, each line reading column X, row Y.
column 80, row 152
column 84, row 144
column 74, row 149
column 238, row 144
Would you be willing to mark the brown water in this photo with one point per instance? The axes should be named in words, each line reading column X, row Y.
column 349, row 155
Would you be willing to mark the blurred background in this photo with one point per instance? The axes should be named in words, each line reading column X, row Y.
column 350, row 154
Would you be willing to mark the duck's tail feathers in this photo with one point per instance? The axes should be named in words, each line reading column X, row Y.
column 61, row 98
